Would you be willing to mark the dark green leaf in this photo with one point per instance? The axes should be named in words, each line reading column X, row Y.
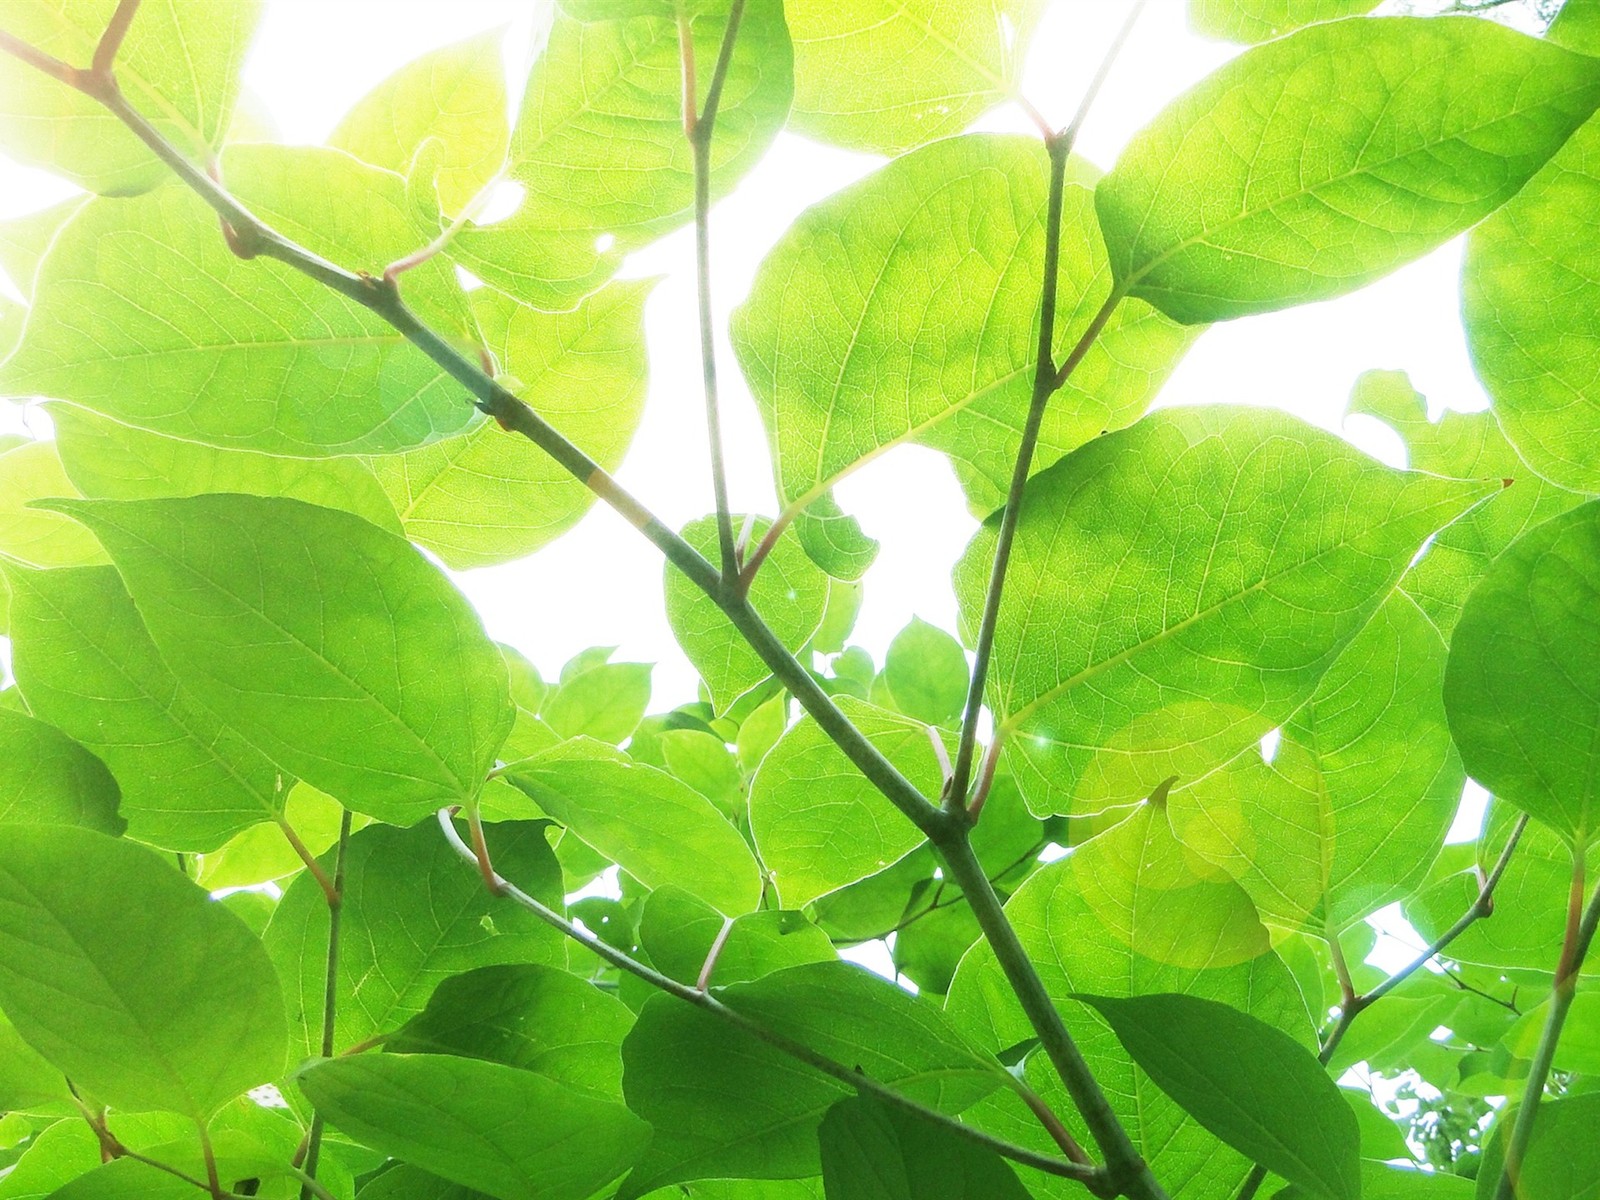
column 1253, row 1086
column 413, row 915
column 128, row 978
column 527, row 1016
column 678, row 931
column 512, row 1134
column 873, row 1151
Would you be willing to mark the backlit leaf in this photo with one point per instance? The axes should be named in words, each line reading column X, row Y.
column 1253, row 191
column 46, row 778
column 1260, row 20
column 128, row 978
column 873, row 1151
column 380, row 689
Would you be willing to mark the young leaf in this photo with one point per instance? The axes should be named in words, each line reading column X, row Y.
column 180, row 64
column 191, row 341
column 885, row 77
column 456, row 96
column 1354, row 804
column 904, row 309
column 331, row 644
column 789, row 592
column 46, row 778
column 1253, row 1086
column 1463, row 446
column 926, row 670
column 484, row 497
column 1251, row 193
column 1262, row 20
column 128, row 978
column 657, row 829
column 599, row 149
column 727, row 1105
column 1179, row 588
column 817, row 821
column 413, row 914
column 873, row 1151
column 1537, row 358
column 108, row 460
column 511, row 1134
column 87, row 665
column 527, row 1016
column 602, row 700
column 1522, row 687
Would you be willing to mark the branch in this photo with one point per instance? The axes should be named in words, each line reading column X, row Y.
column 1128, row 1173
column 1574, row 949
column 330, row 1000
column 254, row 237
column 699, row 131
column 1094, row 1178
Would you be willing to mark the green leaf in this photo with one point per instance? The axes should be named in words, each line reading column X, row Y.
column 1530, row 903
column 485, row 496
column 706, row 764
column 1562, row 1161
column 904, row 309
column 379, row 687
column 1380, row 1181
column 455, row 96
column 789, row 592
column 1129, row 913
column 107, row 460
column 726, row 1105
column 1249, row 193
column 1522, row 687
column 818, row 822
column 1253, row 1086
column 872, row 1151
column 1465, row 446
column 1577, row 26
column 1354, row 804
column 46, row 778
column 834, row 540
column 1261, row 20
column 1179, row 588
column 413, row 915
column 884, row 77
column 657, row 829
column 193, row 342
column 926, row 670
column 527, row 1016
column 27, row 1082
column 599, row 150
column 179, row 66
column 603, row 700
column 678, row 932
column 263, row 854
column 87, row 665
column 512, row 1134
column 1530, row 287
column 54, row 1158
column 128, row 978
column 29, row 472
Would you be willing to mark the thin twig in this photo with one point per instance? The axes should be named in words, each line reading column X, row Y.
column 1070, row 133
column 105, row 52
column 707, row 968
column 700, row 131
column 303, row 852
column 1092, row 1177
column 330, row 999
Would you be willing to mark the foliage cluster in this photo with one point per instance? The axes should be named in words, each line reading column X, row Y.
column 1219, row 682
